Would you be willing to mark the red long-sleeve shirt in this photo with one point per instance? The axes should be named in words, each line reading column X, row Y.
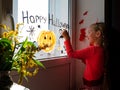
column 93, row 56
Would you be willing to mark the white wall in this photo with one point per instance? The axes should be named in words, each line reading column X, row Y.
column 95, row 9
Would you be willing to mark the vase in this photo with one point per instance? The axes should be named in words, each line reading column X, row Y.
column 5, row 80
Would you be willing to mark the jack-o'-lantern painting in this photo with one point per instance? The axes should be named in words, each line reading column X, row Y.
column 46, row 40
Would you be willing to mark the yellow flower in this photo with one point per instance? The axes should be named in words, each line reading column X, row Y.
column 5, row 35
column 35, row 71
column 4, row 27
column 29, row 74
column 18, row 25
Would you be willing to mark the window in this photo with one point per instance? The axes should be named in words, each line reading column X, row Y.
column 40, row 15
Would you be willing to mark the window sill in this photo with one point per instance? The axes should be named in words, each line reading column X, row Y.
column 52, row 62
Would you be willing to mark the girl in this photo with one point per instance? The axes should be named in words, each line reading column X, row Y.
column 92, row 56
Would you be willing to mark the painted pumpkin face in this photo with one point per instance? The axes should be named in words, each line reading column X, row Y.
column 46, row 38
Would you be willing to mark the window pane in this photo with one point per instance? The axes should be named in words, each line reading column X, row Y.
column 38, row 15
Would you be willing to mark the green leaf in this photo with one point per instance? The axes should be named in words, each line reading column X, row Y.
column 39, row 63
column 21, row 48
column 5, row 40
column 26, row 78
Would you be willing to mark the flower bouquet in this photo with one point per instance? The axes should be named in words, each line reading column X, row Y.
column 18, row 56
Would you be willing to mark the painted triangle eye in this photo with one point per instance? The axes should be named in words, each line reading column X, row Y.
column 45, row 37
column 50, row 38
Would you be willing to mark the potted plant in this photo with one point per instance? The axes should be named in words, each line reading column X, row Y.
column 17, row 56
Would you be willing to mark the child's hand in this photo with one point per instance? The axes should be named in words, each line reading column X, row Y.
column 65, row 34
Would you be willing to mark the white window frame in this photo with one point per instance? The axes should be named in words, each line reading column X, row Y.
column 71, row 20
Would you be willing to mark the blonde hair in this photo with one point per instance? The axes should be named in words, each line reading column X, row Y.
column 100, row 26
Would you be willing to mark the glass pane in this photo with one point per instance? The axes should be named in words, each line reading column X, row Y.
column 39, row 15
